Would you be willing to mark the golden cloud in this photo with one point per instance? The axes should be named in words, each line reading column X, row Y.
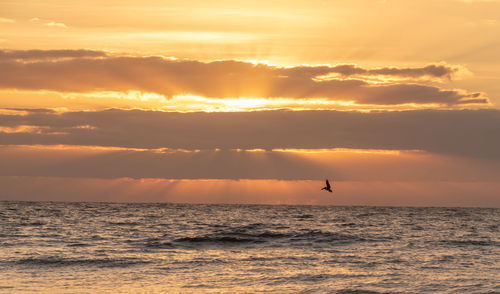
column 92, row 71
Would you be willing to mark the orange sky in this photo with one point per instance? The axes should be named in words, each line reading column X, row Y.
column 395, row 100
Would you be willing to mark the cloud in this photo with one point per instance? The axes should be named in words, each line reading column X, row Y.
column 21, row 129
column 437, row 72
column 52, row 55
column 472, row 133
column 232, row 79
column 55, row 24
column 6, row 20
column 49, row 23
column 477, row 1
column 343, row 165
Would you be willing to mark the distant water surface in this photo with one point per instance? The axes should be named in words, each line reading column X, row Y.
column 50, row 247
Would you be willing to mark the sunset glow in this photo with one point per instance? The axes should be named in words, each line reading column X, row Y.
column 242, row 96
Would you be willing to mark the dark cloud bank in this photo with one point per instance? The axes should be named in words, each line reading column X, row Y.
column 472, row 133
column 89, row 71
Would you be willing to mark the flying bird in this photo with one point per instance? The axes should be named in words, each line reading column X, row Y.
column 327, row 187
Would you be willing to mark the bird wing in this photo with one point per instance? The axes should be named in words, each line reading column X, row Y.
column 327, row 184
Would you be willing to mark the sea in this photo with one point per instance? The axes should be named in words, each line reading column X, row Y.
column 57, row 247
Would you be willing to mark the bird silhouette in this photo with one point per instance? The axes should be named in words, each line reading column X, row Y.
column 327, row 187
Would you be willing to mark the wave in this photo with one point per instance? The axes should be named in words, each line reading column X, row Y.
column 132, row 224
column 158, row 244
column 304, row 216
column 217, row 239
column 470, row 242
column 357, row 291
column 78, row 245
column 34, row 223
column 54, row 261
column 239, row 236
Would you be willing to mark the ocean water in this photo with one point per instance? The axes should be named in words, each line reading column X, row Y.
column 48, row 247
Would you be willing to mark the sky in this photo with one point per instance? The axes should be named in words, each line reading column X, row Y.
column 396, row 102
